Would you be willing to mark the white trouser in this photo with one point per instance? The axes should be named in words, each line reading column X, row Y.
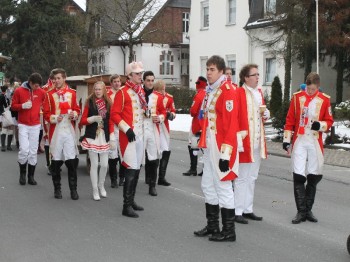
column 113, row 154
column 306, row 148
column 150, row 144
column 216, row 192
column 98, row 180
column 164, row 141
column 135, row 153
column 64, row 148
column 245, row 183
column 28, row 137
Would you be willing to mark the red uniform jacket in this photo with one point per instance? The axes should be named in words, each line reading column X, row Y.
column 51, row 107
column 247, row 126
column 195, row 109
column 323, row 112
column 169, row 107
column 222, row 127
column 29, row 117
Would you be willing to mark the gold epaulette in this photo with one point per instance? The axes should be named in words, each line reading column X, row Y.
column 328, row 96
column 297, row 92
column 227, row 86
column 169, row 95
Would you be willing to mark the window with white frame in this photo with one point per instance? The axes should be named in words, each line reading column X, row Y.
column 231, row 11
column 270, row 6
column 185, row 22
column 231, row 63
column 204, row 60
column 205, row 14
column 166, row 65
column 270, row 69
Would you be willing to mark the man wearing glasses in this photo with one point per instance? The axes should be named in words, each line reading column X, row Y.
column 127, row 113
column 251, row 142
column 27, row 100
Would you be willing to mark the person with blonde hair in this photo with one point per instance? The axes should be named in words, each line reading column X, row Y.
column 168, row 101
column 99, row 136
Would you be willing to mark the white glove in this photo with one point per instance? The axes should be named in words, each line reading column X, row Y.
column 93, row 119
column 27, row 105
column 266, row 114
column 112, row 144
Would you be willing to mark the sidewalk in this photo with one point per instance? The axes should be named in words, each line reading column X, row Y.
column 334, row 157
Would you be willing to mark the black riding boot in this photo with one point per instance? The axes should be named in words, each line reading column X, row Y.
column 299, row 194
column 112, row 165
column 152, row 170
column 31, row 170
column 134, row 205
column 22, row 174
column 56, row 177
column 9, row 142
column 212, row 227
column 147, row 172
column 3, row 141
column 162, row 168
column 312, row 181
column 193, row 169
column 228, row 227
column 72, row 178
column 121, row 174
column 128, row 193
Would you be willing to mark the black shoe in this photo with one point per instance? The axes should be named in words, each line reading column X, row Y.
column 241, row 220
column 137, row 207
column 3, row 149
column 31, row 181
column 201, row 173
column 9, row 148
column 190, row 173
column 252, row 216
column 163, row 182
column 300, row 217
column 58, row 194
column 114, row 183
column 205, row 232
column 152, row 191
column 121, row 182
column 310, row 217
column 74, row 195
column 129, row 212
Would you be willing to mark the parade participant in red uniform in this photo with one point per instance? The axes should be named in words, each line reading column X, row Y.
column 99, row 136
column 219, row 143
column 309, row 115
column 164, row 129
column 127, row 113
column 61, row 110
column 251, row 142
column 229, row 72
column 27, row 100
column 153, row 116
column 113, row 160
column 195, row 130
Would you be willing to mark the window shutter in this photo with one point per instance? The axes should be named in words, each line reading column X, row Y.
column 172, row 69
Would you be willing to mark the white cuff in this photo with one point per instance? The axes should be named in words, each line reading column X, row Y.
column 53, row 119
column 226, row 151
column 123, row 126
column 287, row 136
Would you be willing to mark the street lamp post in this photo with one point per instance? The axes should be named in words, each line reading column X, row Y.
column 317, row 42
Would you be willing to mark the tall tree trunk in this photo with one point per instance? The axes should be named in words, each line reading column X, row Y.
column 308, row 55
column 287, row 69
column 340, row 75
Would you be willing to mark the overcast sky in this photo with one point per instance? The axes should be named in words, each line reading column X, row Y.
column 81, row 3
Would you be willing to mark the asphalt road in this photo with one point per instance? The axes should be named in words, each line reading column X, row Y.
column 34, row 226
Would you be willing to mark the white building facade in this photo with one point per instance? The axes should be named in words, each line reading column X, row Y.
column 220, row 27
